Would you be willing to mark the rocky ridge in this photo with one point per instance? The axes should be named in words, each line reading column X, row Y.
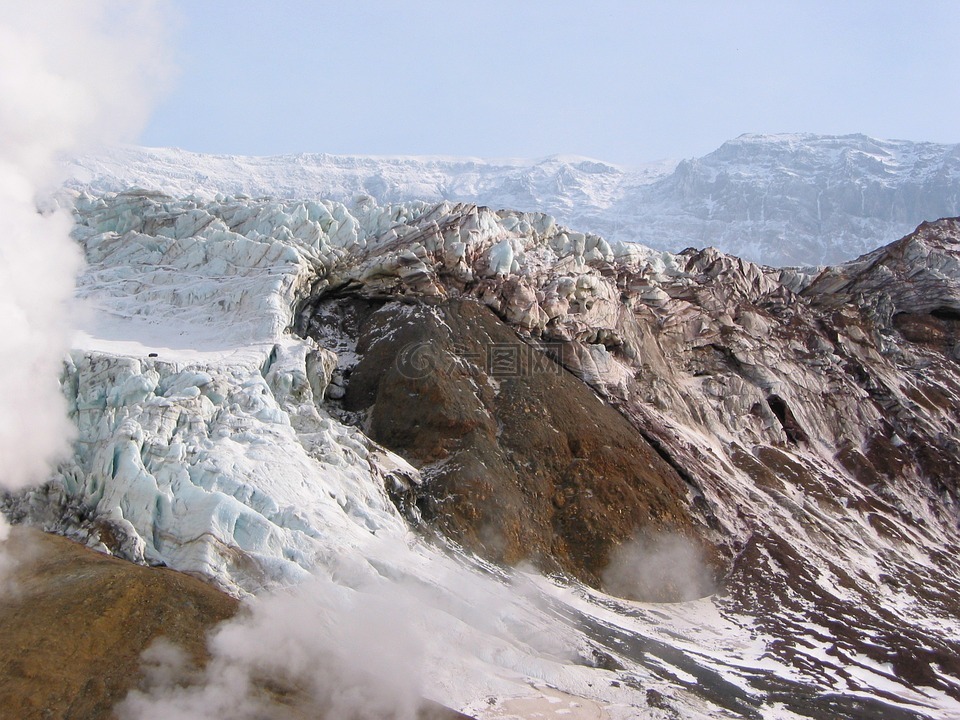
column 815, row 431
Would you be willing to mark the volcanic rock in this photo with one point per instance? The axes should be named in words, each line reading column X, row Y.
column 74, row 624
column 520, row 460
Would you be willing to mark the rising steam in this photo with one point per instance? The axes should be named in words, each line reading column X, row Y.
column 663, row 568
column 356, row 645
column 72, row 74
column 314, row 650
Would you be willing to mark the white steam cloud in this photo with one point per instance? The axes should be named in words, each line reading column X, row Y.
column 360, row 644
column 317, row 649
column 7, row 560
column 72, row 74
column 664, row 568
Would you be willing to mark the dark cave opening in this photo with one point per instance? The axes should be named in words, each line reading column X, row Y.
column 792, row 429
column 946, row 313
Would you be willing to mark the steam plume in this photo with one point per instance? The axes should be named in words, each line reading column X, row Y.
column 352, row 656
column 664, row 568
column 71, row 74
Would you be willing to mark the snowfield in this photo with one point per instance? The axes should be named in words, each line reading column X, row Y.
column 799, row 200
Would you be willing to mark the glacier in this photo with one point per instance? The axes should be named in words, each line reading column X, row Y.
column 209, row 440
column 791, row 199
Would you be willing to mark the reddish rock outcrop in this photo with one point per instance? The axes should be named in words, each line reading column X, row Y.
column 520, row 459
column 803, row 425
column 74, row 624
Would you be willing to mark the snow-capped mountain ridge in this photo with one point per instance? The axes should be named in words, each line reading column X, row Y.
column 801, row 199
column 281, row 392
column 797, row 199
column 343, row 177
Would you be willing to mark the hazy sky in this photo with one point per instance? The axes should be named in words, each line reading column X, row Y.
column 625, row 82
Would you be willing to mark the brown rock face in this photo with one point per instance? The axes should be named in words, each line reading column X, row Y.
column 521, row 460
column 75, row 624
column 806, row 425
column 72, row 631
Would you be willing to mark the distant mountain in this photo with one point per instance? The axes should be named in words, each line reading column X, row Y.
column 577, row 191
column 775, row 199
column 798, row 199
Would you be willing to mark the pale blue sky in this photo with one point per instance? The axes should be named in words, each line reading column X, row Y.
column 625, row 82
